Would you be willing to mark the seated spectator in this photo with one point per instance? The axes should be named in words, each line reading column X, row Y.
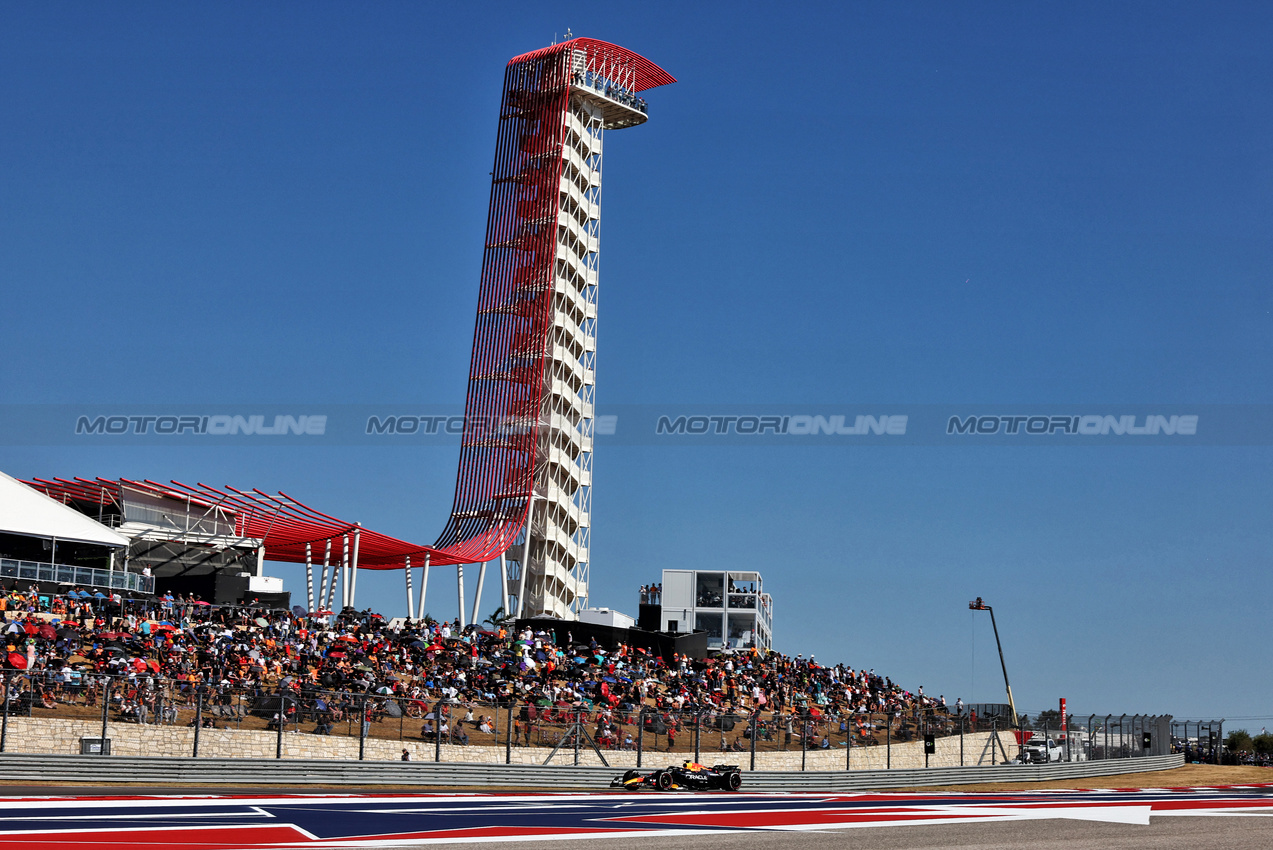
column 226, row 657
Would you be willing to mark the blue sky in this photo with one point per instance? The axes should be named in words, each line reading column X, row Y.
column 840, row 207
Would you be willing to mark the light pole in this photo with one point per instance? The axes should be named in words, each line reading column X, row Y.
column 979, row 605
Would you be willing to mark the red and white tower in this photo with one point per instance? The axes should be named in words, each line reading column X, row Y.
column 525, row 478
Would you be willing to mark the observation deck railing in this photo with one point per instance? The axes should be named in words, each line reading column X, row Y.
column 613, row 91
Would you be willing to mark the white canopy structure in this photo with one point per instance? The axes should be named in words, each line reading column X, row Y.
column 26, row 511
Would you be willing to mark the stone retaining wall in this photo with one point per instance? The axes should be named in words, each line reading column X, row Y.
column 44, row 735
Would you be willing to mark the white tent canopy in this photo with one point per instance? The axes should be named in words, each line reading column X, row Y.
column 27, row 511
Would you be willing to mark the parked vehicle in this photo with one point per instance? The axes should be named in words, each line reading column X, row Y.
column 1043, row 751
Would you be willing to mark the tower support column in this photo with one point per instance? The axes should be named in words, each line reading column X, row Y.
column 477, row 596
column 424, row 586
column 459, row 585
column 406, row 569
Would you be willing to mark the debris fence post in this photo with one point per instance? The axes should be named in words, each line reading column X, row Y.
column 437, row 732
column 508, row 736
column 363, row 727
column 640, row 734
column 106, row 704
column 198, row 720
column 278, row 734
column 4, row 724
column 804, row 736
column 888, row 742
column 754, row 716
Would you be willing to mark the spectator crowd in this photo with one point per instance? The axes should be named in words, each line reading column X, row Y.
column 175, row 651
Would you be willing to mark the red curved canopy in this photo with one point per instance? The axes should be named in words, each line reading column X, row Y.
column 601, row 55
column 283, row 524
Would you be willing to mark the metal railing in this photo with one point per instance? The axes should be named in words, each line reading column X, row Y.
column 614, row 91
column 75, row 575
column 1199, row 740
column 143, row 697
column 17, row 767
column 558, row 733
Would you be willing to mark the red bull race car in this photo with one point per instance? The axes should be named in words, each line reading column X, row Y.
column 690, row 776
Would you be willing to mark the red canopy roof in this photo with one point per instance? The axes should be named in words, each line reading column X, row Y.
column 284, row 524
column 602, row 55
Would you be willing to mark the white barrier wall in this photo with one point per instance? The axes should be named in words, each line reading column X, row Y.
column 62, row 737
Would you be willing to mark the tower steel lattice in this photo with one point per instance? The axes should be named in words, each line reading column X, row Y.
column 524, row 485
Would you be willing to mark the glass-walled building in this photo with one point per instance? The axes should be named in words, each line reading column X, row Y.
column 731, row 606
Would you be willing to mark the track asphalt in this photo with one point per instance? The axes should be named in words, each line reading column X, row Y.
column 1215, row 818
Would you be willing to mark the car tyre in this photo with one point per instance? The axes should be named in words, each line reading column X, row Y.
column 733, row 780
column 662, row 781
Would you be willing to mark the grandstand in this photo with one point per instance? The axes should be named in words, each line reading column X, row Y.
column 44, row 543
column 182, row 663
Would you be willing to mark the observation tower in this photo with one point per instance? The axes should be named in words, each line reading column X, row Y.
column 524, row 488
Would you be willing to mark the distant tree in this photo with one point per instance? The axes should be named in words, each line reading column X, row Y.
column 1238, row 739
column 1050, row 718
column 497, row 617
column 1263, row 743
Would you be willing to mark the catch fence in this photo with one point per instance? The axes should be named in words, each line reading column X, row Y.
column 528, row 730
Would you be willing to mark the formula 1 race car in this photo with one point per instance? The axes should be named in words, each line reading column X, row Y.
column 690, row 776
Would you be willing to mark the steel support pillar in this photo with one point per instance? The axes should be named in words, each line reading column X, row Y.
column 353, row 572
column 344, row 572
column 503, row 584
column 459, row 586
column 322, row 582
column 477, row 596
column 424, row 586
column 524, row 566
column 309, row 577
column 406, row 570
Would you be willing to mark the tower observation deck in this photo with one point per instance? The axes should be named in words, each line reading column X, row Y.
column 524, row 487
